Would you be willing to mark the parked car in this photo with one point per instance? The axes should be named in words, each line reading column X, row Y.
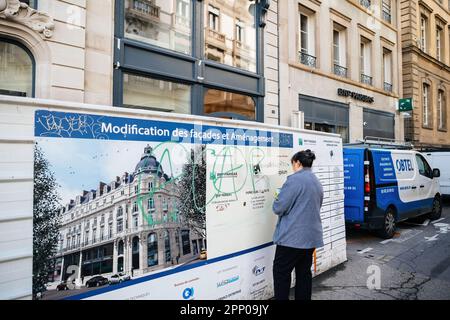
column 62, row 286
column 119, row 278
column 96, row 281
column 385, row 186
column 203, row 255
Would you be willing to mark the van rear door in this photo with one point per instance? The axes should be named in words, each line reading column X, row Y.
column 354, row 184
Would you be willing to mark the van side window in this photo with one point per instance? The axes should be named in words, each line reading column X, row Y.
column 423, row 166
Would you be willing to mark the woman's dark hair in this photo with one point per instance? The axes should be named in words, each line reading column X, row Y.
column 306, row 158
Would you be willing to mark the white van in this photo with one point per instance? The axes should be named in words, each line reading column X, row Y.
column 441, row 160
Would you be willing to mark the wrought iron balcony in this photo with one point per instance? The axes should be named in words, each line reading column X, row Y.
column 366, row 79
column 387, row 16
column 387, row 87
column 365, row 3
column 308, row 60
column 340, row 71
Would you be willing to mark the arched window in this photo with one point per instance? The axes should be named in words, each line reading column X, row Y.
column 17, row 69
column 152, row 250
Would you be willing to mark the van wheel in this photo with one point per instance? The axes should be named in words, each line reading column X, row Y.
column 388, row 230
column 437, row 209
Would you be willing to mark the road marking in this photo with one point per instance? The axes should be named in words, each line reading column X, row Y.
column 443, row 227
column 433, row 238
column 424, row 224
column 386, row 241
column 436, row 221
column 365, row 250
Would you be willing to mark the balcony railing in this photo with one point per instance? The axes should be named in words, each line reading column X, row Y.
column 340, row 71
column 144, row 9
column 387, row 87
column 308, row 60
column 387, row 16
column 366, row 79
column 215, row 38
column 365, row 3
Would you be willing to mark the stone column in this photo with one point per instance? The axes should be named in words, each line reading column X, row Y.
column 115, row 244
column 130, row 255
column 62, row 269
column 141, row 253
column 78, row 282
column 356, row 126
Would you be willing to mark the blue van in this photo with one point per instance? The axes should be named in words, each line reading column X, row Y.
column 383, row 187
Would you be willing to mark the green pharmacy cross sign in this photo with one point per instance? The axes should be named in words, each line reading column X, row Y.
column 405, row 105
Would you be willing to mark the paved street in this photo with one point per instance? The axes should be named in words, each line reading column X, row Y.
column 414, row 265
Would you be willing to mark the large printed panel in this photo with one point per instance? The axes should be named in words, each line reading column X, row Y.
column 147, row 209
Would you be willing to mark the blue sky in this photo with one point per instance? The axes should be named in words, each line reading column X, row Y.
column 81, row 164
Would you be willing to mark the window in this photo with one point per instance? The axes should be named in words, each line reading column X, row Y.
column 30, row 3
column 136, row 221
column 423, row 33
column 307, row 37
column 230, row 33
column 119, row 225
column 160, row 64
column 152, row 250
column 183, row 12
column 148, row 93
column 365, row 61
column 425, row 104
column 439, row 44
column 135, row 207
column 378, row 124
column 229, row 105
column 159, row 23
column 386, row 7
column 185, row 242
column 325, row 115
column 239, row 31
column 16, row 70
column 339, row 51
column 303, row 33
column 441, row 110
column 213, row 18
column 424, row 167
column 387, row 69
column 167, row 252
column 151, row 204
column 365, row 3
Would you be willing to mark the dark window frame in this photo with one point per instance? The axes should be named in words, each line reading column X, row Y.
column 135, row 57
column 33, row 62
column 381, row 113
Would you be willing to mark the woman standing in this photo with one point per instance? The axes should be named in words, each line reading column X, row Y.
column 299, row 229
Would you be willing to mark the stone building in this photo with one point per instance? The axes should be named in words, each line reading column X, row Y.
column 339, row 67
column 426, row 70
column 213, row 58
column 130, row 225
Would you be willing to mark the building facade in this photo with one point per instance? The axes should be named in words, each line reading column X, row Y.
column 426, row 70
column 131, row 225
column 212, row 58
column 339, row 63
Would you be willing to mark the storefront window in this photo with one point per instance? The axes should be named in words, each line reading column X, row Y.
column 152, row 250
column 229, row 105
column 163, row 23
column 230, row 33
column 16, row 70
column 143, row 92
